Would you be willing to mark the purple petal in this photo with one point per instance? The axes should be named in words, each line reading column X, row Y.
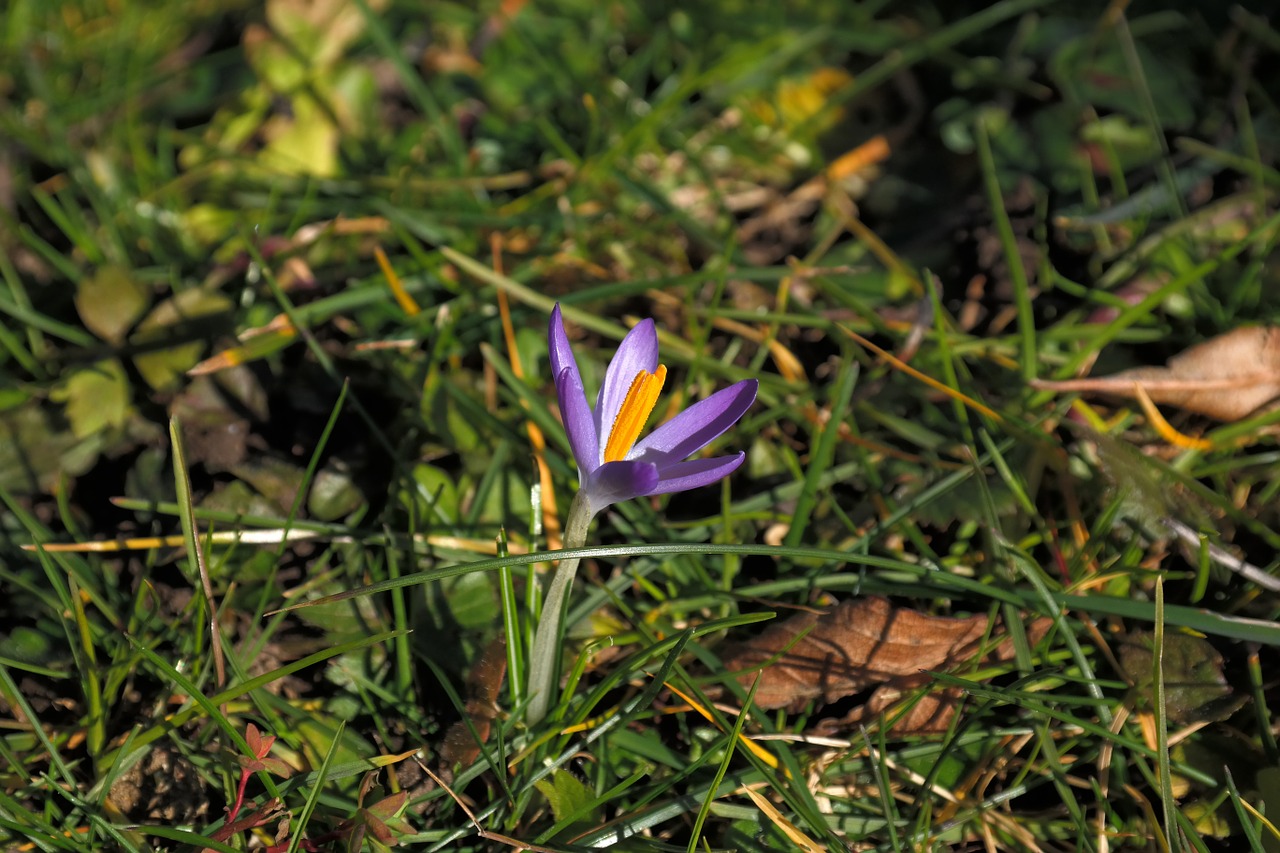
column 697, row 426
column 558, row 347
column 614, row 482
column 638, row 351
column 578, row 424
column 695, row 473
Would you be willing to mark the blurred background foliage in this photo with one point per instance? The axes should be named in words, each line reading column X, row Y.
column 286, row 225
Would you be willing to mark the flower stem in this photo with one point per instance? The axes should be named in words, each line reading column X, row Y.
column 544, row 663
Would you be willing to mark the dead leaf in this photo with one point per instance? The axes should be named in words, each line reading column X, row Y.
column 484, row 683
column 254, row 344
column 860, row 644
column 903, row 707
column 214, row 429
column 1227, row 377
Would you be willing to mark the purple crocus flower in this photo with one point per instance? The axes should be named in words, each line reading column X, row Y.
column 612, row 465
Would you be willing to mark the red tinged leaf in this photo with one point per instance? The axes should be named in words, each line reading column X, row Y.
column 388, row 806
column 259, row 744
column 260, row 816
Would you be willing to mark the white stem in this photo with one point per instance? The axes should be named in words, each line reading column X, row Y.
column 544, row 663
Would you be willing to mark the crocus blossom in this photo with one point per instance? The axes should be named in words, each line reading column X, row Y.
column 614, row 463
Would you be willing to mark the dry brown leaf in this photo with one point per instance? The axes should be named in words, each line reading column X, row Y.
column 926, row 714
column 1227, row 377
column 859, row 644
column 484, row 685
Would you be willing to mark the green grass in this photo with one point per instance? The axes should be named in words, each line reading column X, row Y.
column 334, row 535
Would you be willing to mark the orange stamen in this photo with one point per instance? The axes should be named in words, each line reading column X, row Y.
column 633, row 413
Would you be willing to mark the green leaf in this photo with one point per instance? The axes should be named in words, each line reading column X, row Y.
column 239, row 498
column 442, row 414
column 277, row 480
column 567, row 795
column 434, row 484
column 318, row 732
column 344, row 620
column 110, row 302
column 508, row 499
column 333, row 495
column 175, row 333
column 96, row 398
column 471, row 601
column 27, row 645
column 1097, row 72
column 12, row 398
column 1195, row 688
column 458, row 618
column 205, row 225
column 37, row 451
column 1268, row 782
column 304, row 143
